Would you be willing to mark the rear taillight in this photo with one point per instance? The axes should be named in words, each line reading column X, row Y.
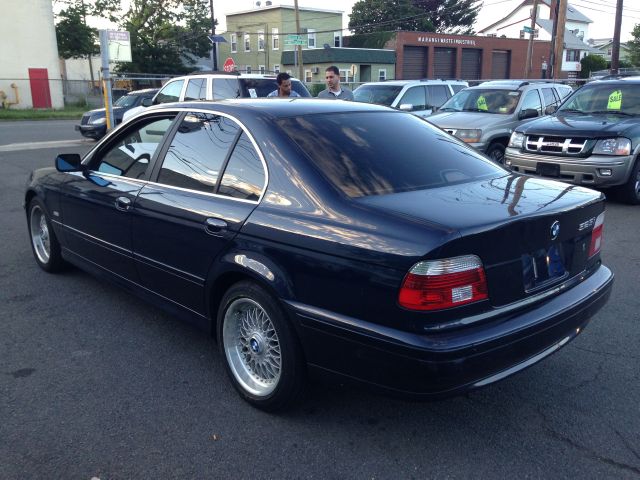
column 596, row 235
column 439, row 284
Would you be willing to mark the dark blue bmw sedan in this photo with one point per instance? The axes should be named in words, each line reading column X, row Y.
column 330, row 236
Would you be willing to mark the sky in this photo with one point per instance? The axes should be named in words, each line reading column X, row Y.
column 602, row 12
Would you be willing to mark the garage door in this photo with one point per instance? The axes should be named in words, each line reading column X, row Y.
column 414, row 63
column 501, row 63
column 471, row 62
column 444, row 63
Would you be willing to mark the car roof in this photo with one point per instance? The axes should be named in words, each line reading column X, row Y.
column 230, row 75
column 516, row 84
column 275, row 107
column 424, row 81
column 617, row 79
column 144, row 91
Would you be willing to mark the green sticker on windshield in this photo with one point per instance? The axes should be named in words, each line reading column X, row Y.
column 615, row 100
column 481, row 103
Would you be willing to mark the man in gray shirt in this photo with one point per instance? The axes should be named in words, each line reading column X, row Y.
column 333, row 90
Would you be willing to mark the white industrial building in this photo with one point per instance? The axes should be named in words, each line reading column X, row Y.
column 30, row 68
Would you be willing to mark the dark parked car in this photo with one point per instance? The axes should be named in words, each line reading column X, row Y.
column 592, row 140
column 335, row 236
column 94, row 122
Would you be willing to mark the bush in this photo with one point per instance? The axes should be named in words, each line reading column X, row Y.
column 592, row 63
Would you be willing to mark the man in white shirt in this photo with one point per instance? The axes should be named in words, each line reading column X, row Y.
column 333, row 90
column 284, row 87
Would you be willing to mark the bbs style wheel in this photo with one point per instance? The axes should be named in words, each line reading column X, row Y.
column 44, row 243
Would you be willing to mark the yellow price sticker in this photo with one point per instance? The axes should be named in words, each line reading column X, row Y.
column 481, row 103
column 615, row 100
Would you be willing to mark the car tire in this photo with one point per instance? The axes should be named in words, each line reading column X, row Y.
column 44, row 243
column 496, row 152
column 260, row 349
column 630, row 191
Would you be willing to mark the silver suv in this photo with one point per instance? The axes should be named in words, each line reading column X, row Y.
column 216, row 86
column 420, row 97
column 486, row 115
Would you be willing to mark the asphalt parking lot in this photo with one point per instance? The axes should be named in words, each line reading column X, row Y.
column 96, row 383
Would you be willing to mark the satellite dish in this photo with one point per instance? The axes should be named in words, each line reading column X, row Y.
column 258, row 3
column 326, row 45
column 267, row 3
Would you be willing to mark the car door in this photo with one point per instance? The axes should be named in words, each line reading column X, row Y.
column 96, row 205
column 414, row 100
column 207, row 184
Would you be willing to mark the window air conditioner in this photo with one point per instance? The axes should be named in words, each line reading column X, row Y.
column 315, row 70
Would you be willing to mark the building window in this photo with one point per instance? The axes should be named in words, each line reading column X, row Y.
column 521, row 33
column 493, row 35
column 345, row 76
column 307, row 76
column 276, row 68
column 573, row 56
column 609, row 52
column 311, row 38
column 261, row 40
column 275, row 39
column 247, row 69
column 337, row 39
column 262, row 69
column 382, row 74
column 234, row 42
column 247, row 42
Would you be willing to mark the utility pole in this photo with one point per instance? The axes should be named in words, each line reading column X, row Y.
column 214, row 53
column 84, row 19
column 299, row 47
column 559, row 44
column 615, row 48
column 534, row 17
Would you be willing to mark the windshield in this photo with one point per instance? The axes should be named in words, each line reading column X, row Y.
column 485, row 100
column 605, row 98
column 126, row 101
column 380, row 94
column 378, row 153
column 261, row 87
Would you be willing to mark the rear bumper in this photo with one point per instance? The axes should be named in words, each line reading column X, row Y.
column 595, row 171
column 448, row 363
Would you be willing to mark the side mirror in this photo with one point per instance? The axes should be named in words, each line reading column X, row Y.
column 550, row 109
column 147, row 102
column 69, row 162
column 406, row 107
column 527, row 113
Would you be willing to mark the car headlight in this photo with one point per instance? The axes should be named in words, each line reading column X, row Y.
column 516, row 140
column 469, row 135
column 98, row 121
column 613, row 146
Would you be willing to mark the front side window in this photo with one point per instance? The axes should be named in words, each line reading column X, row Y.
column 169, row 93
column 532, row 101
column 131, row 155
column 415, row 97
column 244, row 175
column 369, row 153
column 484, row 100
column 549, row 97
column 234, row 43
column 198, row 151
column 275, row 39
column 196, row 89
column 311, row 38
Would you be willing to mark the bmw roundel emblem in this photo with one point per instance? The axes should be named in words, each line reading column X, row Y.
column 555, row 230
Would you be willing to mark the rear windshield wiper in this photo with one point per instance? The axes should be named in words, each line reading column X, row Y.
column 614, row 112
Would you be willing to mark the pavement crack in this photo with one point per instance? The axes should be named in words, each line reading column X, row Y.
column 608, row 354
column 627, row 444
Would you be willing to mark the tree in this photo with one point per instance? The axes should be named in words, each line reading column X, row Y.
column 590, row 64
column 444, row 16
column 634, row 46
column 75, row 39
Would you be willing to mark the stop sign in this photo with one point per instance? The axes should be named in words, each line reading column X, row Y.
column 229, row 66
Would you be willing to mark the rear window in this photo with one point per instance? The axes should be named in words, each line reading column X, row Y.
column 380, row 94
column 261, row 87
column 378, row 153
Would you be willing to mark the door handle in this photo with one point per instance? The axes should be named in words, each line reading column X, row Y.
column 215, row 226
column 123, row 203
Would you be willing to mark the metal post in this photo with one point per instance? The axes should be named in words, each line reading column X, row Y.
column 106, row 77
column 214, row 48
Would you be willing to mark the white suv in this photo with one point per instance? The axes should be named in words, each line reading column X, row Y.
column 420, row 97
column 216, row 86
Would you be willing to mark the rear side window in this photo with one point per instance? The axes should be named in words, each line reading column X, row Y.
column 170, row 92
column 244, row 175
column 377, row 153
column 225, row 88
column 549, row 97
column 437, row 95
column 196, row 89
column 261, row 87
column 198, row 151
column 457, row 87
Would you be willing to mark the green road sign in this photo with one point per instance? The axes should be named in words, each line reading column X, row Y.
column 527, row 29
column 294, row 40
